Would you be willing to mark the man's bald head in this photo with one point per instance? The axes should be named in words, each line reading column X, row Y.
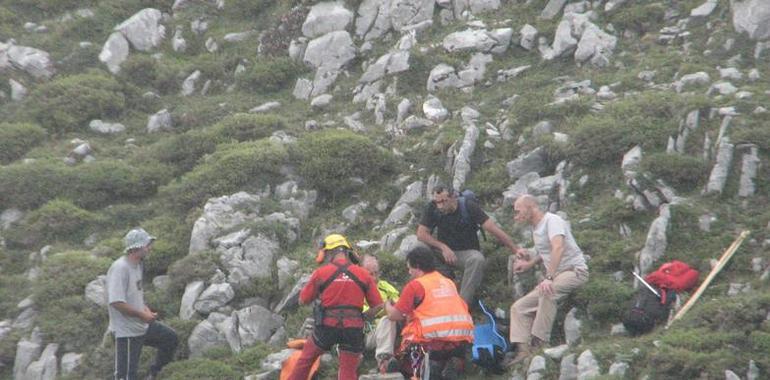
column 372, row 265
column 527, row 210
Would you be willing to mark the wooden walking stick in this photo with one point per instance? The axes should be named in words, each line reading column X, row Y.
column 720, row 264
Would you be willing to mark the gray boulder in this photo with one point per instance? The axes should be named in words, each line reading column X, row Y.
column 552, row 8
column 412, row 194
column 407, row 13
column 536, row 369
column 191, row 293
column 691, row 80
column 206, row 336
column 292, row 298
column 286, row 269
column 331, row 51
column 434, row 110
column 220, row 214
column 749, row 167
column 462, row 161
column 256, row 324
column 102, row 127
column 588, row 367
column 703, row 11
column 390, row 63
column 34, row 62
column 572, row 327
column 751, row 17
column 18, row 91
column 533, row 161
column 45, row 368
column 326, row 17
column 656, row 242
column 373, row 19
column 400, row 215
column 214, row 297
column 27, row 351
column 567, row 369
column 528, row 37
column 721, row 169
column 443, row 76
column 114, row 52
column 407, row 244
column 143, row 29
column 178, row 42
column 70, row 362
column 96, row 291
column 618, row 369
column 160, row 121
column 478, row 40
column 595, row 45
column 188, row 86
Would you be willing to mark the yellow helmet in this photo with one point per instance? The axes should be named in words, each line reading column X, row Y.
column 333, row 241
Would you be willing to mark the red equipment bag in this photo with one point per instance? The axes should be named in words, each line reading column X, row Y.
column 674, row 275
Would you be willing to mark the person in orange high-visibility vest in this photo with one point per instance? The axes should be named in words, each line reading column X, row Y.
column 437, row 318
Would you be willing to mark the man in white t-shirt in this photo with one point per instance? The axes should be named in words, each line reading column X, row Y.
column 532, row 316
column 132, row 323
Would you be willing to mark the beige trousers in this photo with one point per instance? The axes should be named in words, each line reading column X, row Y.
column 533, row 314
column 382, row 338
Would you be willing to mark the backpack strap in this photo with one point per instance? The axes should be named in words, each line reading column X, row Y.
column 340, row 270
column 465, row 216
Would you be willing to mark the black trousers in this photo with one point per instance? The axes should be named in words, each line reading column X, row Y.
column 129, row 349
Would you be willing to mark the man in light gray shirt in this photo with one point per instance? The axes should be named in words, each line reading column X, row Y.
column 131, row 321
column 532, row 316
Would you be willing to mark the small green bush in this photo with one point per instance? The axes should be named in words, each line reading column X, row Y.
column 69, row 103
column 67, row 274
column 139, row 69
column 759, row 135
column 50, row 6
column 685, row 173
column 10, row 295
column 244, row 126
column 58, row 219
column 88, row 185
column 198, row 369
column 604, row 299
column 17, row 139
column 171, row 245
column 248, row 9
column 270, row 74
column 231, row 168
column 73, row 320
column 199, row 266
column 328, row 160
column 185, row 149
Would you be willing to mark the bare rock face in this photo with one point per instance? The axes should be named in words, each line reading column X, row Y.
column 143, row 29
column 326, row 17
column 406, row 13
column 34, row 62
column 752, row 17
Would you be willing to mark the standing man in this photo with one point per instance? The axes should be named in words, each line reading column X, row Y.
column 457, row 238
column 133, row 324
column 382, row 337
column 565, row 267
column 437, row 318
column 341, row 286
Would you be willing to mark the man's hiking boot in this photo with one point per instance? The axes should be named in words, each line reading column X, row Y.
column 386, row 363
column 524, row 351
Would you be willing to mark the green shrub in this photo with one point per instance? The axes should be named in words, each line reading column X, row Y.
column 10, row 295
column 638, row 17
column 171, row 245
column 198, row 369
column 270, row 74
column 244, row 126
column 50, row 6
column 88, row 185
column 74, row 321
column 248, row 9
column 328, row 160
column 67, row 274
column 759, row 135
column 231, row 168
column 17, row 139
column 685, row 173
column 69, row 103
column 199, row 266
column 58, row 219
column 139, row 69
column 604, row 299
column 184, row 150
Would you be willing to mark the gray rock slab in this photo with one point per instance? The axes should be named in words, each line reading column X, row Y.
column 144, row 29
column 325, row 17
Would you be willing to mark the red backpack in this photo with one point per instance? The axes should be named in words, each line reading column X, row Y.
column 674, row 275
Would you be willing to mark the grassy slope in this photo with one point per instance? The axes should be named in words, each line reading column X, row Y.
column 691, row 347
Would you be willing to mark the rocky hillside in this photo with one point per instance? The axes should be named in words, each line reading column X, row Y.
column 240, row 132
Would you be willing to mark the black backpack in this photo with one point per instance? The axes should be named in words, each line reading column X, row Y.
column 465, row 216
column 647, row 310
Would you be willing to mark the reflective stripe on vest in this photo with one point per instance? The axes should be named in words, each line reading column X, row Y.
column 442, row 314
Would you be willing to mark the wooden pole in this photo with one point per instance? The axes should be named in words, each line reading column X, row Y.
column 720, row 264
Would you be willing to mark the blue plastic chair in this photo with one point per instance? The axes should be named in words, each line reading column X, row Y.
column 486, row 341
